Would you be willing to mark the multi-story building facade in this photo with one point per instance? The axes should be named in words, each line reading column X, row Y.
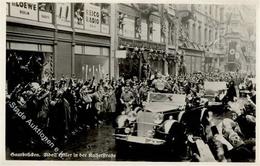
column 141, row 36
column 93, row 39
column 71, row 38
column 200, row 36
column 240, row 39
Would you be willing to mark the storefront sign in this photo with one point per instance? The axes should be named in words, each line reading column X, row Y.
column 144, row 31
column 24, row 10
column 93, row 17
column 120, row 53
column 63, row 14
column 156, row 32
column 129, row 28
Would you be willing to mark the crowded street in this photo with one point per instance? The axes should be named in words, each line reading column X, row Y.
column 89, row 131
column 130, row 82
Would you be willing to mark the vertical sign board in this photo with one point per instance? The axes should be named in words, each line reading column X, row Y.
column 24, row 10
column 129, row 28
column 63, row 13
column 92, row 17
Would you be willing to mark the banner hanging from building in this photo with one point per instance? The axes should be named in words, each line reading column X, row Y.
column 24, row 10
column 63, row 13
column 92, row 17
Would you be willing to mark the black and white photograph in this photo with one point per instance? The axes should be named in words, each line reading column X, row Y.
column 130, row 82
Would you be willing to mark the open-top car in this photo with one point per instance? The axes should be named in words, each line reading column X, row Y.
column 153, row 124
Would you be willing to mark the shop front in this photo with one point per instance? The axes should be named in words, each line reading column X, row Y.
column 192, row 56
column 91, row 61
column 26, row 62
column 193, row 60
column 141, row 58
column 29, row 54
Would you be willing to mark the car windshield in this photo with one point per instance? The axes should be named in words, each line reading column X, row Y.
column 166, row 97
column 212, row 87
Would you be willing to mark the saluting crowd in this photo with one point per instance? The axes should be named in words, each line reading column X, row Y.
column 63, row 108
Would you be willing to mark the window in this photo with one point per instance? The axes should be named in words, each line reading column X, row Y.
column 221, row 14
column 199, row 34
column 216, row 12
column 210, row 35
column 194, row 33
column 205, row 35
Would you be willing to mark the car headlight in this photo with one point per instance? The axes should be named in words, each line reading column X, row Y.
column 127, row 130
column 158, row 118
column 131, row 116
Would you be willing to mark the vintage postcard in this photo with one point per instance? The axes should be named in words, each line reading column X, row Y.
column 116, row 81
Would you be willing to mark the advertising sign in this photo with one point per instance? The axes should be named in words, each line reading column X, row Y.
column 93, row 17
column 24, row 10
column 63, row 14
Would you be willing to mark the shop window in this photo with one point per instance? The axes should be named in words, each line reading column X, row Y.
column 38, row 65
